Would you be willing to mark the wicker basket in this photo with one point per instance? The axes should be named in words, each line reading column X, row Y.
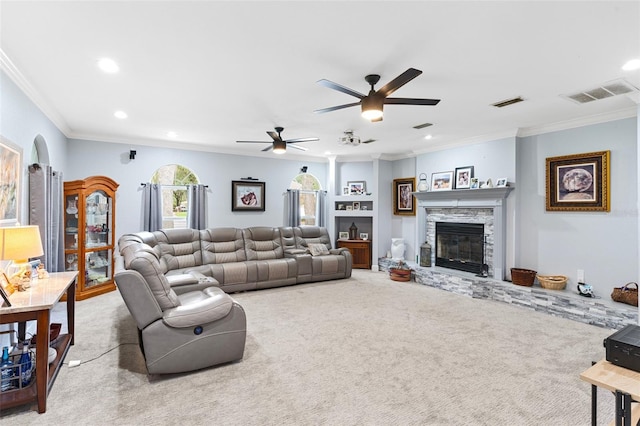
column 397, row 274
column 524, row 277
column 553, row 282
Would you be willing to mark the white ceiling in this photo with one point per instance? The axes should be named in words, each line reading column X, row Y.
column 219, row 71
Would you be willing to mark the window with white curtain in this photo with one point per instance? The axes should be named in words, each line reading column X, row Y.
column 308, row 185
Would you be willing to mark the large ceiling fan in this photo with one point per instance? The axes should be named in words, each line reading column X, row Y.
column 279, row 145
column 373, row 102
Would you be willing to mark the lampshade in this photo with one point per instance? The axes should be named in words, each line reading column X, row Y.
column 372, row 107
column 20, row 243
column 279, row 147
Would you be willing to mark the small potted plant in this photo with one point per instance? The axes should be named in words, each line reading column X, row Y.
column 400, row 272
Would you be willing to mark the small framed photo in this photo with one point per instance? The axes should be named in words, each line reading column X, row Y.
column 343, row 235
column 475, row 183
column 356, row 205
column 346, row 190
column 441, row 181
column 349, row 207
column 357, row 187
column 247, row 196
column 501, row 182
column 463, row 177
column 340, row 206
column 4, row 285
column 364, row 207
column 364, row 236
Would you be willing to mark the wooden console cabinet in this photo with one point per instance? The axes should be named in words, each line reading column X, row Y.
column 360, row 252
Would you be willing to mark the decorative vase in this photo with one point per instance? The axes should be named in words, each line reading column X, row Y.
column 397, row 248
column 422, row 184
column 72, row 206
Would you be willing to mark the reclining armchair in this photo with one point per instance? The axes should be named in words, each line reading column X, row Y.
column 178, row 333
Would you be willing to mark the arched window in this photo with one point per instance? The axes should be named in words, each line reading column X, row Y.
column 174, row 178
column 308, row 185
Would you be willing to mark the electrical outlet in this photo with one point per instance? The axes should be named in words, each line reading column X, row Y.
column 581, row 276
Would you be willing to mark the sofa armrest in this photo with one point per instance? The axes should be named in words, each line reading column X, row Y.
column 340, row 250
column 295, row 252
column 198, row 308
column 191, row 277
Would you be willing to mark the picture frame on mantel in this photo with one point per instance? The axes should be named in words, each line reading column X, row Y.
column 442, row 181
column 10, row 190
column 463, row 177
column 247, row 196
column 578, row 182
column 403, row 200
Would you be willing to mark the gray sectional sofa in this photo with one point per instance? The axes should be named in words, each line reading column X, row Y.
column 175, row 284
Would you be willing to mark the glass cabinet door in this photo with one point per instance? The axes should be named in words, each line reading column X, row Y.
column 71, row 232
column 97, row 268
column 98, row 220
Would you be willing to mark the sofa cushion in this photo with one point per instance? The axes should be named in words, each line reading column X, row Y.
column 222, row 245
column 179, row 248
column 262, row 243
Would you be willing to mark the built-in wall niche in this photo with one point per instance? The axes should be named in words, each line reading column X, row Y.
column 364, row 225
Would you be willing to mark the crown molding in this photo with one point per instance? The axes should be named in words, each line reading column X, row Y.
column 579, row 122
column 7, row 65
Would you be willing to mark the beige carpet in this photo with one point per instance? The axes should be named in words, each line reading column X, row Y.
column 362, row 351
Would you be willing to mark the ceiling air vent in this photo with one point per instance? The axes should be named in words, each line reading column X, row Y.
column 422, row 126
column 508, row 102
column 612, row 88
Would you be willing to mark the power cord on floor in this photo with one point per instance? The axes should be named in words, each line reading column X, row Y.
column 75, row 363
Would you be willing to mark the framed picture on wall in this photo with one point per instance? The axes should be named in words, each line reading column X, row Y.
column 578, row 182
column 11, row 160
column 403, row 199
column 247, row 196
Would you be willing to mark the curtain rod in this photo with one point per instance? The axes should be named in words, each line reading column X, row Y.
column 171, row 186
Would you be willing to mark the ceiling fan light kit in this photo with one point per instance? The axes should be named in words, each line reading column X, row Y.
column 279, row 147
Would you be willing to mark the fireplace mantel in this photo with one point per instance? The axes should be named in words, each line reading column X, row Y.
column 484, row 197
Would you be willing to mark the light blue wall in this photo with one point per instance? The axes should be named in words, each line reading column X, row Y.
column 604, row 245
column 212, row 169
column 21, row 122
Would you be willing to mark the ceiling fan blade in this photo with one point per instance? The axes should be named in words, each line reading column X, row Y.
column 410, row 101
column 340, row 88
column 274, row 135
column 368, row 141
column 399, row 81
column 269, row 148
column 335, row 108
column 302, row 140
column 290, row 145
column 253, row 142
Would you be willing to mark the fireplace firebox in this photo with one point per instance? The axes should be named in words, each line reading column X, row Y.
column 460, row 246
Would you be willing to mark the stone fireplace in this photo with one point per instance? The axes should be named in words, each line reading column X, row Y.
column 485, row 207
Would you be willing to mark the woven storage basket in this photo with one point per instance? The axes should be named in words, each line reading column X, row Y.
column 400, row 274
column 553, row 282
column 524, row 277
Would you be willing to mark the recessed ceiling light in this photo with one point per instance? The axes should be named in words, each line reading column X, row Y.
column 428, row 137
column 108, row 65
column 632, row 65
column 172, row 134
column 120, row 114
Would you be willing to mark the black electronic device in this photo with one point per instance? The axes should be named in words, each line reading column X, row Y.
column 623, row 347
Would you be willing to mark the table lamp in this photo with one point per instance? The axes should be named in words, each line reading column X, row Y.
column 18, row 244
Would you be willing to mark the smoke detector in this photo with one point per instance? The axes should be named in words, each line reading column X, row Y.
column 349, row 138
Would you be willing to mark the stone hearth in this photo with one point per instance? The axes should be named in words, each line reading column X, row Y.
column 600, row 311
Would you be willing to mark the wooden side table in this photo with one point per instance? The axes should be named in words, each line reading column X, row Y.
column 360, row 252
column 623, row 382
column 36, row 304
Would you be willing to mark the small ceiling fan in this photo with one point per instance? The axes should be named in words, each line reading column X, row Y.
column 372, row 103
column 279, row 145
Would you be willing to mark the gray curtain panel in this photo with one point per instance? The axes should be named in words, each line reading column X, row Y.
column 151, row 207
column 197, row 201
column 46, row 189
column 293, row 207
column 321, row 208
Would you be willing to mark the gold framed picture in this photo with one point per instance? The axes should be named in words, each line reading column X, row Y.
column 578, row 182
column 403, row 200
